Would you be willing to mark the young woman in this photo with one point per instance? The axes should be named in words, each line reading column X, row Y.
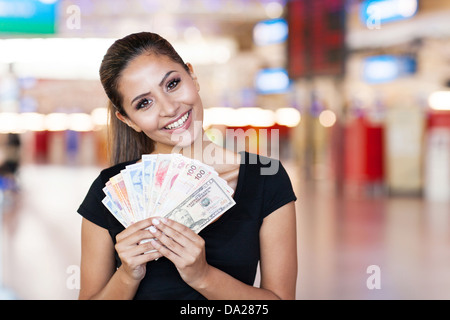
column 155, row 107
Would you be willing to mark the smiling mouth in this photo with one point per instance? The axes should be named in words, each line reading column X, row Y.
column 177, row 124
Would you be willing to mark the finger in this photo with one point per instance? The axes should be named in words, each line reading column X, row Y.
column 166, row 252
column 143, row 248
column 166, row 240
column 133, row 239
column 133, row 228
column 177, row 231
column 188, row 233
column 147, row 257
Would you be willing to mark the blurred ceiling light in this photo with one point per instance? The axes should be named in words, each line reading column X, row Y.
column 289, row 117
column 272, row 81
column 10, row 122
column 383, row 68
column 255, row 117
column 32, row 121
column 240, row 117
column 218, row 116
column 80, row 122
column 387, row 10
column 56, row 122
column 80, row 58
column 99, row 116
column 327, row 118
column 439, row 100
column 407, row 8
column 270, row 32
column 55, row 58
column 66, row 50
column 274, row 10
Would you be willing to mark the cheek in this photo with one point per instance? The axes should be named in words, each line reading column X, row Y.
column 198, row 106
column 147, row 122
column 191, row 94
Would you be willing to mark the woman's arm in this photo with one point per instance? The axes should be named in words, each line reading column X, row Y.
column 278, row 238
column 278, row 259
column 99, row 277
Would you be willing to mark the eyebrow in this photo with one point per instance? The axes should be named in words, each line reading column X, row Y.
column 160, row 84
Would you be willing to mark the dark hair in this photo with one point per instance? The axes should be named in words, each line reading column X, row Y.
column 124, row 142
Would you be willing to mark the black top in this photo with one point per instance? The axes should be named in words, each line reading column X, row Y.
column 231, row 243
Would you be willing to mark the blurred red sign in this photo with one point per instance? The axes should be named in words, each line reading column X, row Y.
column 316, row 42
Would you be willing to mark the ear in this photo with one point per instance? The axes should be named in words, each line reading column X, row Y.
column 193, row 75
column 127, row 121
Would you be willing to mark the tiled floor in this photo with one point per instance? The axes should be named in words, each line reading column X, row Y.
column 405, row 240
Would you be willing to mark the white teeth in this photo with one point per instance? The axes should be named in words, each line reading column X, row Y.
column 178, row 123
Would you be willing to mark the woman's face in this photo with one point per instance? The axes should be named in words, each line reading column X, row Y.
column 161, row 99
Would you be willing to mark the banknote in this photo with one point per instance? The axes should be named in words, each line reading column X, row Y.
column 176, row 166
column 201, row 207
column 132, row 176
column 170, row 185
column 115, row 211
column 161, row 167
column 120, row 189
column 190, row 177
column 113, row 195
column 149, row 164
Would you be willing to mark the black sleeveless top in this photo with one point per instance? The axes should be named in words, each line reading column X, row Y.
column 231, row 243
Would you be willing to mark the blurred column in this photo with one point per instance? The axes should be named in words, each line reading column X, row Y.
column 437, row 160
column 87, row 150
column 57, row 147
column 404, row 134
column 363, row 159
column 41, row 146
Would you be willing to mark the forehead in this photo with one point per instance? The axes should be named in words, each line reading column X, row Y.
column 149, row 66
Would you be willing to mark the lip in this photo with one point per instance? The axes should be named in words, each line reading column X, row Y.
column 185, row 125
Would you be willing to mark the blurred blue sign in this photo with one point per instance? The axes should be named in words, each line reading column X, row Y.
column 377, row 12
column 272, row 81
column 270, row 32
column 28, row 16
column 386, row 68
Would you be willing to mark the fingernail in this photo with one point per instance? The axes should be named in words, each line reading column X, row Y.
column 155, row 222
column 152, row 229
column 164, row 220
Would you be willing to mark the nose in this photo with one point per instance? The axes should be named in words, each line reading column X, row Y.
column 168, row 107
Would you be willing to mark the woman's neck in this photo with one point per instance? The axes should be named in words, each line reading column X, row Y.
column 203, row 150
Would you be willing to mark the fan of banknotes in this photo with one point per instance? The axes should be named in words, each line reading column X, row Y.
column 171, row 186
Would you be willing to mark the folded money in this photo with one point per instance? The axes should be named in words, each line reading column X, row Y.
column 171, row 186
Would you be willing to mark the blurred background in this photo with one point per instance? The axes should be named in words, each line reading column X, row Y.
column 352, row 95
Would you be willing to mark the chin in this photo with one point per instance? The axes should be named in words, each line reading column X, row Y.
column 184, row 140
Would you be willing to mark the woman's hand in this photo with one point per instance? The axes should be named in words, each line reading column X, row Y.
column 183, row 247
column 133, row 251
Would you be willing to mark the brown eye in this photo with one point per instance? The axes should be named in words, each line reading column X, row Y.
column 173, row 84
column 143, row 104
